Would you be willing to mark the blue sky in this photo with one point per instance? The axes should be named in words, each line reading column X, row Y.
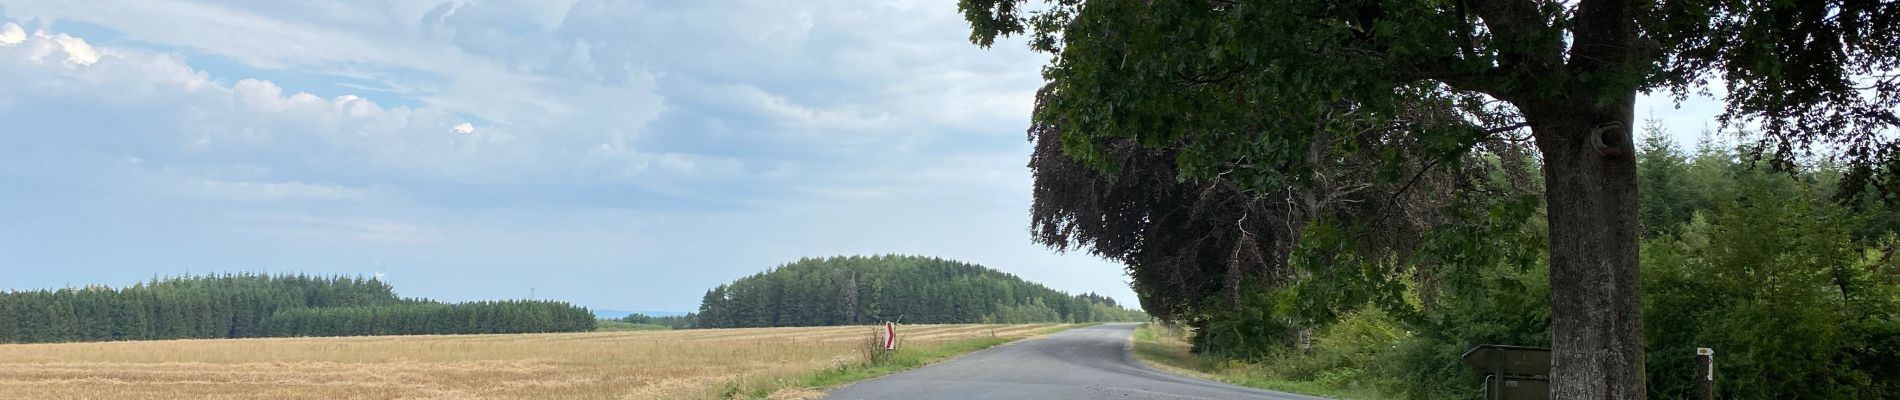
column 616, row 154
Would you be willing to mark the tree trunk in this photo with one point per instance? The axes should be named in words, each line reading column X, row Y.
column 1595, row 302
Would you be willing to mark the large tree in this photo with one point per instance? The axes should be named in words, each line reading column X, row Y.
column 1259, row 93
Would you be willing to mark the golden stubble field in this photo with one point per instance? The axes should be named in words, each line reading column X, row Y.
column 602, row 365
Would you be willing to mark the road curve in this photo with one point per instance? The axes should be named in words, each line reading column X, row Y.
column 1083, row 363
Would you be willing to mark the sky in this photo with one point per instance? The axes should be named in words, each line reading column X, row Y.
column 615, row 154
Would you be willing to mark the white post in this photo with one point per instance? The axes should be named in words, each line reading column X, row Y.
column 890, row 336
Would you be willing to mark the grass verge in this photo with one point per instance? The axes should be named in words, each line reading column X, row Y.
column 873, row 362
column 1168, row 349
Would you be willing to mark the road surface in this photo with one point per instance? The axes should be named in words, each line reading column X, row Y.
column 1084, row 363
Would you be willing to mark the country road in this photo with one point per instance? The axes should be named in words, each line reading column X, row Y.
column 1085, row 363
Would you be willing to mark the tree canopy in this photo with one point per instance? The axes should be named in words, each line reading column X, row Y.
column 1808, row 72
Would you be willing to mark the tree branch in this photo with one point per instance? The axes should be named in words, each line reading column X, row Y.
column 1521, row 35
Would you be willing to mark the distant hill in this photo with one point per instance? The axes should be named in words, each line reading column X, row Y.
column 860, row 290
column 618, row 314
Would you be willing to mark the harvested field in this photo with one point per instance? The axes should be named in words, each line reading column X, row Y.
column 601, row 365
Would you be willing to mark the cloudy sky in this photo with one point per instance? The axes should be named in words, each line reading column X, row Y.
column 616, row 154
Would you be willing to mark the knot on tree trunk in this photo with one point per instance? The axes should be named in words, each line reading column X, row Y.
column 1610, row 139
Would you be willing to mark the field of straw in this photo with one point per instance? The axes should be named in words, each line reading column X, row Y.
column 603, row 365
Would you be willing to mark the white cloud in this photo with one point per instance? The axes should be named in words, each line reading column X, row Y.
column 362, row 229
column 698, row 166
column 77, row 51
column 220, row 184
column 180, row 109
column 66, row 50
column 11, row 34
column 567, row 89
column 259, row 191
column 262, row 96
column 365, row 41
column 776, row 115
column 846, row 118
column 565, row 75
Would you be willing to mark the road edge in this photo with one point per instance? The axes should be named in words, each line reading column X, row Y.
column 822, row 392
column 1165, row 368
column 1161, row 367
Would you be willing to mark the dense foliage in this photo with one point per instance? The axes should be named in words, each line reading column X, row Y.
column 1798, row 294
column 1276, row 99
column 256, row 305
column 1198, row 251
column 862, row 290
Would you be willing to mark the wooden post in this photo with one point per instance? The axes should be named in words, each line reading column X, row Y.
column 1495, row 382
column 1705, row 373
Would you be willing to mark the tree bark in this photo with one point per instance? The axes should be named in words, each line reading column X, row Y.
column 1595, row 298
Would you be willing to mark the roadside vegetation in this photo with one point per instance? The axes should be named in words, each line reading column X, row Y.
column 671, row 364
column 873, row 361
column 1798, row 294
column 1170, row 348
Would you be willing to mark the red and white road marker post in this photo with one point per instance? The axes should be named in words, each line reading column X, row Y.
column 890, row 336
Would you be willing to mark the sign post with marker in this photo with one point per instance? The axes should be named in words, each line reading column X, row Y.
column 890, row 336
column 1705, row 361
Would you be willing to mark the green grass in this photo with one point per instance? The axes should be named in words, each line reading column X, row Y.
column 1169, row 350
column 875, row 363
column 900, row 361
column 617, row 326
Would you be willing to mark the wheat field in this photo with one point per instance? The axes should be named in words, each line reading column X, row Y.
column 601, row 365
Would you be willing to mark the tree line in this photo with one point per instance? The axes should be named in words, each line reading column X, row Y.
column 429, row 318
column 925, row 290
column 260, row 305
column 687, row 321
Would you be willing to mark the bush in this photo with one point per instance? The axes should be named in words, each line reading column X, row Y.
column 1353, row 353
column 1252, row 329
column 1501, row 305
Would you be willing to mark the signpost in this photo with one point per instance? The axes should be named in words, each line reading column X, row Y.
column 1705, row 361
column 1514, row 372
column 890, row 336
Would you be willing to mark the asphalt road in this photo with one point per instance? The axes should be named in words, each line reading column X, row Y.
column 1085, row 363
